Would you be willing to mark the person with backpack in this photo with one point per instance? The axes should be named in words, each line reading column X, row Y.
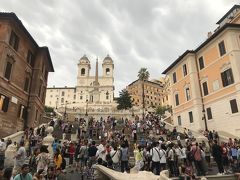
column 92, row 150
column 163, row 159
column 155, row 154
column 197, row 155
column 115, row 156
column 71, row 151
column 170, row 154
column 124, row 157
column 83, row 154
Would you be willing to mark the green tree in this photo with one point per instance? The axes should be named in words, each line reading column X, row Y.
column 160, row 110
column 143, row 75
column 48, row 109
column 124, row 101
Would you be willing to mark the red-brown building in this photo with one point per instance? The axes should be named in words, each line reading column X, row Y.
column 24, row 68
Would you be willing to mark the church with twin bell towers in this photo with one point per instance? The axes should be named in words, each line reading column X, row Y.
column 92, row 94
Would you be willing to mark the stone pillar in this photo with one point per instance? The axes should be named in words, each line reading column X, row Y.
column 9, row 155
column 48, row 140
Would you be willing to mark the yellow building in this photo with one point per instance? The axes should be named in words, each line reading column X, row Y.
column 153, row 93
column 205, row 82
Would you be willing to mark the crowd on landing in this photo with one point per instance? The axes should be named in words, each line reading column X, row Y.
column 113, row 143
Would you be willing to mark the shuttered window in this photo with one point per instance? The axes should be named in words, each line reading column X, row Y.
column 8, row 70
column 4, row 103
column 234, row 106
column 209, row 113
column 176, row 99
column 14, row 40
column 201, row 63
column 205, row 88
column 227, row 77
column 190, row 114
column 174, row 77
column 184, row 70
column 222, row 49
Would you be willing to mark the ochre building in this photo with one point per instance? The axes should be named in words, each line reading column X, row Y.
column 153, row 93
column 24, row 68
column 205, row 82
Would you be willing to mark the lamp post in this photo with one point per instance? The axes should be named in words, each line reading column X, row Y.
column 86, row 108
column 56, row 103
column 204, row 118
column 65, row 111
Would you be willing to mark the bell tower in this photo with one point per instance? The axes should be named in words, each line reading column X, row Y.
column 84, row 68
column 107, row 67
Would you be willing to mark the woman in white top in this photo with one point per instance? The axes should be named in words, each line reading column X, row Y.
column 163, row 159
column 114, row 153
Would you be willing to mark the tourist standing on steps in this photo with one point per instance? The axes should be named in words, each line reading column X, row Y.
column 217, row 155
column 43, row 159
column 124, row 157
column 2, row 153
column 155, row 154
column 20, row 157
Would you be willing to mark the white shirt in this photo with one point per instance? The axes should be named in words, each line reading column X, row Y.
column 162, row 153
column 154, row 152
column 100, row 152
column 115, row 156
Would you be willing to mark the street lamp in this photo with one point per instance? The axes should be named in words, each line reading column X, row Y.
column 86, row 108
column 204, row 118
column 65, row 112
column 56, row 103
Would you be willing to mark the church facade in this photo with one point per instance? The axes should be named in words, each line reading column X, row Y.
column 92, row 94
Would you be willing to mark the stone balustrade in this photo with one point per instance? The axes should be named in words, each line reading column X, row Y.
column 104, row 173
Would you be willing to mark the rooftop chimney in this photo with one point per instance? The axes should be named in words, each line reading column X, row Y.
column 209, row 34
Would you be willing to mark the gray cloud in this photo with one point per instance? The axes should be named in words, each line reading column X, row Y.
column 146, row 33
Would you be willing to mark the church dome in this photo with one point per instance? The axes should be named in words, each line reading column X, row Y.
column 84, row 60
column 107, row 60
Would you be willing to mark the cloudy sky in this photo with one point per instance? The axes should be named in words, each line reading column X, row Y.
column 135, row 33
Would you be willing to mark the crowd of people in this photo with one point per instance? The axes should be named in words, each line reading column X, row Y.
column 112, row 143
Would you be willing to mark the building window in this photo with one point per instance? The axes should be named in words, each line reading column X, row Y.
column 205, row 88
column 179, row 120
column 227, row 77
column 234, row 106
column 14, row 40
column 190, row 114
column 209, row 113
column 36, row 116
column 74, row 96
column 174, row 77
column 63, row 93
column 62, row 100
column 40, row 91
column 222, row 49
column 81, row 97
column 107, row 95
column 30, row 58
column 22, row 113
column 201, row 63
column 8, row 70
column 184, row 70
column 27, row 83
column 187, row 91
column 107, row 71
column 176, row 99
column 4, row 102
column 82, row 71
